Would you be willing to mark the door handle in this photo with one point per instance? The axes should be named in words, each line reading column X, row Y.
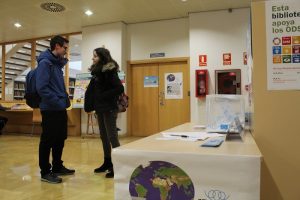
column 161, row 98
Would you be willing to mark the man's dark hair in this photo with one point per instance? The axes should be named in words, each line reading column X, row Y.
column 57, row 40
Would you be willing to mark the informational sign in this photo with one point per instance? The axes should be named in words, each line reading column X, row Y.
column 173, row 86
column 202, row 60
column 121, row 75
column 283, row 44
column 151, row 81
column 245, row 58
column 157, row 55
column 81, row 83
column 227, row 59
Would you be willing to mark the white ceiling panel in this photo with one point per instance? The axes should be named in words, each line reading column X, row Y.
column 37, row 22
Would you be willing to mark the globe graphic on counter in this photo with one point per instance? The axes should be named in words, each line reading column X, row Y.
column 160, row 180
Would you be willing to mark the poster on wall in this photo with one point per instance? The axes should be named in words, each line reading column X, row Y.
column 202, row 60
column 245, row 58
column 121, row 75
column 249, row 68
column 227, row 59
column 151, row 81
column 283, row 45
column 81, row 83
column 173, row 86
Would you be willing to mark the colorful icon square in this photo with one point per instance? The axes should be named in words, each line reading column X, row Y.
column 276, row 50
column 296, row 39
column 277, row 59
column 296, row 49
column 287, row 50
column 286, row 40
column 287, row 59
column 296, row 58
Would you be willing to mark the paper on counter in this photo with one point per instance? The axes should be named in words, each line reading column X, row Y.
column 189, row 136
column 199, row 126
column 166, row 138
column 177, row 138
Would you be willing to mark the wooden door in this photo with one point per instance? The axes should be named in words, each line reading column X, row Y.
column 150, row 110
column 173, row 112
column 144, row 100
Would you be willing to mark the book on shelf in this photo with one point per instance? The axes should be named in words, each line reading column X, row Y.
column 72, row 83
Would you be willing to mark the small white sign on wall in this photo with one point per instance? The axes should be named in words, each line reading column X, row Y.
column 81, row 84
column 173, row 86
column 151, row 81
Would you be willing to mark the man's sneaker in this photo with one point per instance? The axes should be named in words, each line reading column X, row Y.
column 51, row 178
column 63, row 171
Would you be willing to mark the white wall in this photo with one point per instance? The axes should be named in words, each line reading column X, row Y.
column 210, row 33
column 215, row 33
column 168, row 36
column 134, row 42
column 113, row 37
column 109, row 35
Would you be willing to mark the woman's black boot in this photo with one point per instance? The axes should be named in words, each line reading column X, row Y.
column 105, row 166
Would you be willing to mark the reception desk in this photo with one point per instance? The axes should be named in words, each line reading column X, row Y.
column 173, row 169
column 28, row 121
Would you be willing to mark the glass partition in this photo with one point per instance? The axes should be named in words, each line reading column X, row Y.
column 75, row 61
column 18, row 60
column 21, row 57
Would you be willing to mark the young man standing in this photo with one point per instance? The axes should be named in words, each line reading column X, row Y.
column 54, row 101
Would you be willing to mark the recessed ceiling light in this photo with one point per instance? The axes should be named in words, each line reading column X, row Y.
column 184, row 0
column 18, row 25
column 88, row 12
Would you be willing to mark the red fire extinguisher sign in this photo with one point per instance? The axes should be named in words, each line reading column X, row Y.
column 227, row 59
column 202, row 60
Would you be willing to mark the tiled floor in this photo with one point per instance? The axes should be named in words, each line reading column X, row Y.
column 20, row 178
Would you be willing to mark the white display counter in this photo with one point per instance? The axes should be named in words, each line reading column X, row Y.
column 179, row 170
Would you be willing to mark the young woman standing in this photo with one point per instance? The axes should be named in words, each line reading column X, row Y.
column 103, row 91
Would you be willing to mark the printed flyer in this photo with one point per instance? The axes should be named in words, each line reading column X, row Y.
column 283, row 45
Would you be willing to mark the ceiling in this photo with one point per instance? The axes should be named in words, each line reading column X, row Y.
column 37, row 22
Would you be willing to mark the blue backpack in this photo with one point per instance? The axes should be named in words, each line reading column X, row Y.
column 32, row 97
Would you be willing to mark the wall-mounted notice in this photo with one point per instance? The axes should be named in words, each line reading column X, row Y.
column 82, row 81
column 173, row 86
column 283, row 44
column 202, row 60
column 245, row 58
column 151, row 81
column 227, row 59
column 157, row 55
column 121, row 75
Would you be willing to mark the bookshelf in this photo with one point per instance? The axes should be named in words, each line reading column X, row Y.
column 19, row 90
column 71, row 87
